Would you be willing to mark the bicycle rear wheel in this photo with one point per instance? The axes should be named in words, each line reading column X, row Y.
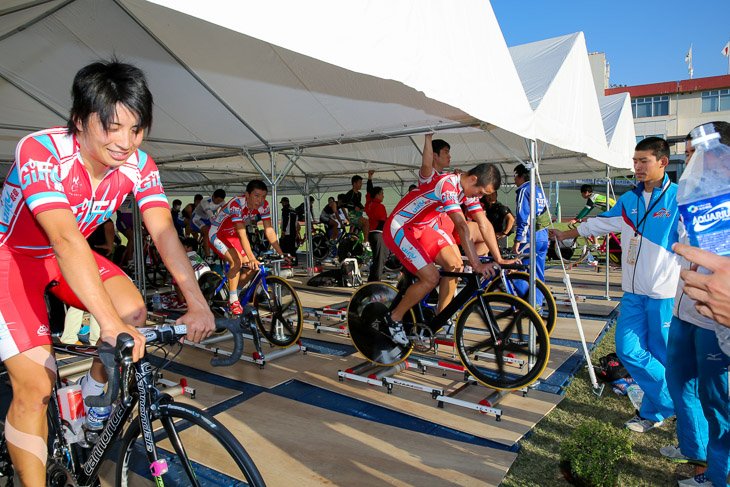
column 365, row 313
column 198, row 449
column 502, row 359
column 279, row 311
column 547, row 310
column 350, row 246
column 320, row 249
column 215, row 295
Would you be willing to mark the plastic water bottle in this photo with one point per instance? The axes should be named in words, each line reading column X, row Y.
column 704, row 201
column 95, row 419
column 635, row 395
column 704, row 192
column 71, row 405
column 156, row 301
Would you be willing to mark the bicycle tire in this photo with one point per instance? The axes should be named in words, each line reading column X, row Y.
column 208, row 282
column 186, row 466
column 366, row 308
column 279, row 311
column 484, row 357
column 548, row 311
column 155, row 269
column 614, row 250
column 392, row 264
column 320, row 249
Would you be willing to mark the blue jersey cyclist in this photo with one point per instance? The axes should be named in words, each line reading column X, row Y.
column 63, row 184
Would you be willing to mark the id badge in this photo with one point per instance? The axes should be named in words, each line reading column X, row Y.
column 633, row 250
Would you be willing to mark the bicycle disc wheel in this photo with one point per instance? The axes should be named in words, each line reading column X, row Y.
column 320, row 249
column 209, row 282
column 279, row 311
column 365, row 312
column 501, row 358
column 198, row 449
column 547, row 310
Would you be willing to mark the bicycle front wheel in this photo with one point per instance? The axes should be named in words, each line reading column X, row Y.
column 279, row 311
column 547, row 309
column 492, row 337
column 198, row 450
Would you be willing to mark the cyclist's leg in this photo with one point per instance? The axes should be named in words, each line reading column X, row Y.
column 441, row 247
column 476, row 236
column 26, row 353
column 206, row 242
column 226, row 248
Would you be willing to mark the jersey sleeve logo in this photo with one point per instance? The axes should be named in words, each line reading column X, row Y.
column 36, row 171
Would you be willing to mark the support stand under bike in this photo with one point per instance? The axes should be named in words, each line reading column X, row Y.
column 257, row 357
column 335, row 312
column 376, row 375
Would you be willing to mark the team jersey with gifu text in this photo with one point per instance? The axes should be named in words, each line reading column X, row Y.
column 48, row 174
column 237, row 211
column 423, row 205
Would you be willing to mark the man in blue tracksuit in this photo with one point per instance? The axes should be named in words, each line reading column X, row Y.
column 522, row 228
column 647, row 218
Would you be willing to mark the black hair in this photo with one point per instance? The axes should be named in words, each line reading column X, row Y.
column 341, row 197
column 255, row 184
column 355, row 179
column 522, row 171
column 438, row 144
column 198, row 197
column 412, row 187
column 486, row 174
column 98, row 87
column 191, row 242
column 586, row 188
column 176, row 202
column 374, row 192
column 656, row 145
column 219, row 193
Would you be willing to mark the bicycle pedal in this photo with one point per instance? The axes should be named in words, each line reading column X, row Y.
column 423, row 339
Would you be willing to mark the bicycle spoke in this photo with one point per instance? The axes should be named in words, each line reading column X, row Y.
column 169, row 426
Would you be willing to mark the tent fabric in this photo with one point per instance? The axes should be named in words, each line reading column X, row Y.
column 248, row 87
column 618, row 122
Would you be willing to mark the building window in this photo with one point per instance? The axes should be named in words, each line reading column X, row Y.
column 715, row 100
column 651, row 106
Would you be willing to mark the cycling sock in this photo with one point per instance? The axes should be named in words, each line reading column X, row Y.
column 35, row 445
column 89, row 386
column 232, row 296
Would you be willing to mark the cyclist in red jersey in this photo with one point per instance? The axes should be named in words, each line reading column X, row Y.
column 63, row 184
column 227, row 237
column 412, row 233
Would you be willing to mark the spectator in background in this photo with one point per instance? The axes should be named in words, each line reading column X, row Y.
column 353, row 206
column 187, row 215
column 125, row 219
column 203, row 215
column 177, row 218
column 412, row 187
column 377, row 215
column 331, row 219
column 647, row 218
column 289, row 229
column 697, row 375
column 499, row 216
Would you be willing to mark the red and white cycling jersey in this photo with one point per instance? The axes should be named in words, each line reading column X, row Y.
column 237, row 211
column 48, row 173
column 423, row 205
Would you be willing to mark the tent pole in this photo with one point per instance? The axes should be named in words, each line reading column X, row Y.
column 308, row 228
column 533, row 254
column 274, row 204
column 608, row 253
column 139, row 261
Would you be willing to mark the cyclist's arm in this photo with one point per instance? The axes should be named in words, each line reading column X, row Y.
column 271, row 236
column 466, row 242
column 240, row 227
column 427, row 161
column 199, row 319
column 509, row 221
column 584, row 212
column 77, row 264
column 487, row 231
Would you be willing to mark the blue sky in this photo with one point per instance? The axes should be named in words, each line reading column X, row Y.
column 645, row 41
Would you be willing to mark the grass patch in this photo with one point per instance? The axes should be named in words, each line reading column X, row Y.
column 537, row 462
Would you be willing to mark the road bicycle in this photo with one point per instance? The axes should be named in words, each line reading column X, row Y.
column 167, row 443
column 503, row 282
column 501, row 341
column 576, row 250
column 279, row 317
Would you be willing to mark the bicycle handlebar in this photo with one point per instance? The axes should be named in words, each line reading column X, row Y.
column 119, row 356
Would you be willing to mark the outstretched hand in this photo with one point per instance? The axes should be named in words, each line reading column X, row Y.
column 710, row 291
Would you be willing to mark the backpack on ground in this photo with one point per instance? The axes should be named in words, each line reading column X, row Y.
column 610, row 368
column 331, row 277
column 350, row 273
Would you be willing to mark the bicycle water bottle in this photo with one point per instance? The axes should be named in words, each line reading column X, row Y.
column 71, row 406
column 635, row 395
column 704, row 201
column 156, row 301
column 95, row 419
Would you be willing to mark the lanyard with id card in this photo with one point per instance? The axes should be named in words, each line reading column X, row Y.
column 635, row 240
